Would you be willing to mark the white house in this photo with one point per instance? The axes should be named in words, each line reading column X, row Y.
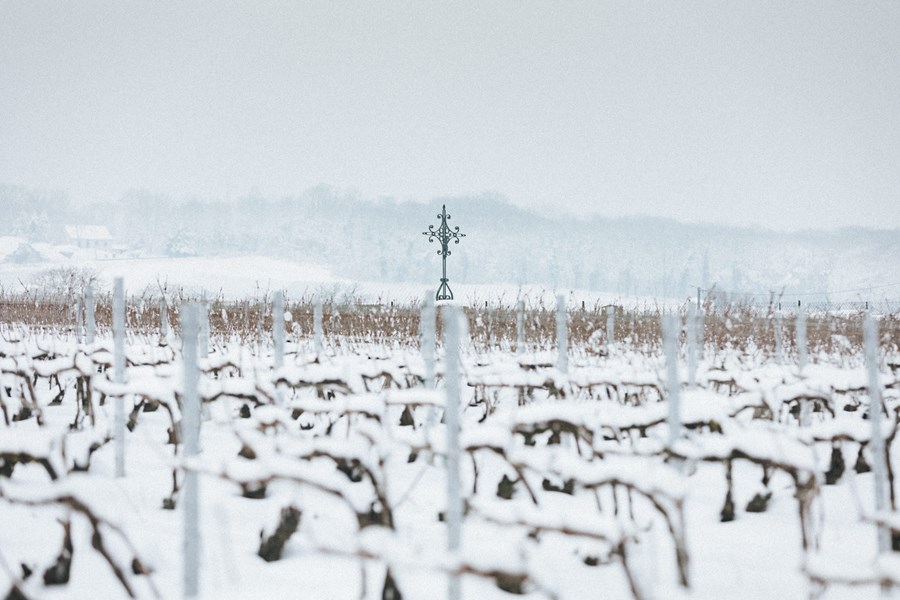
column 89, row 236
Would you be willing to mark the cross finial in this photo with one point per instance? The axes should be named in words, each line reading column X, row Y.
column 444, row 234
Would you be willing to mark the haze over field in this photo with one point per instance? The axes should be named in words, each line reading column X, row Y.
column 564, row 138
column 739, row 113
column 342, row 238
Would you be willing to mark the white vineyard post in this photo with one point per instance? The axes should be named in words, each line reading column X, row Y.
column 670, row 330
column 428, row 342
column 879, row 468
column 79, row 322
column 427, row 327
column 692, row 346
column 89, row 315
column 701, row 332
column 562, row 335
column 278, row 329
column 260, row 332
column 451, row 316
column 520, row 327
column 801, row 339
column 610, row 327
column 190, row 326
column 119, row 371
column 317, row 326
column 778, row 340
column 163, row 319
column 204, row 345
column 277, row 338
column 801, row 361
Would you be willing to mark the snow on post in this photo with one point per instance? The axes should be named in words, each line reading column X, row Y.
column 119, row 370
column 191, row 437
column 452, row 336
column 879, row 468
column 317, row 325
column 670, row 329
column 520, row 327
column 278, row 328
column 91, row 325
column 610, row 326
column 562, row 334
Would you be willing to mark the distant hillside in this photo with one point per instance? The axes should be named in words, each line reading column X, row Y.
column 382, row 241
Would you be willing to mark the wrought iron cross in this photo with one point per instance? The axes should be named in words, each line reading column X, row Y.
column 444, row 235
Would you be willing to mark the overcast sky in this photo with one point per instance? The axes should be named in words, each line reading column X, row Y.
column 778, row 113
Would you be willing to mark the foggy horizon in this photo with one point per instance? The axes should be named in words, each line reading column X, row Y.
column 761, row 114
column 547, row 212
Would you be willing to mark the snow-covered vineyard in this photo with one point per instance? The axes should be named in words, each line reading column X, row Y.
column 326, row 469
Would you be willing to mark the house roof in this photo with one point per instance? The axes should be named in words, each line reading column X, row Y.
column 88, row 232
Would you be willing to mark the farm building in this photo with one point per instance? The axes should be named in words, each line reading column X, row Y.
column 89, row 236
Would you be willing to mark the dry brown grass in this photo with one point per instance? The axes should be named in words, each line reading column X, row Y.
column 739, row 326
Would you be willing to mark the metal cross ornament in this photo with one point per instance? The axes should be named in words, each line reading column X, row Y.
column 444, row 235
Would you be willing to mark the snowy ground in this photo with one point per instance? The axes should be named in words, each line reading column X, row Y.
column 249, row 276
column 757, row 555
